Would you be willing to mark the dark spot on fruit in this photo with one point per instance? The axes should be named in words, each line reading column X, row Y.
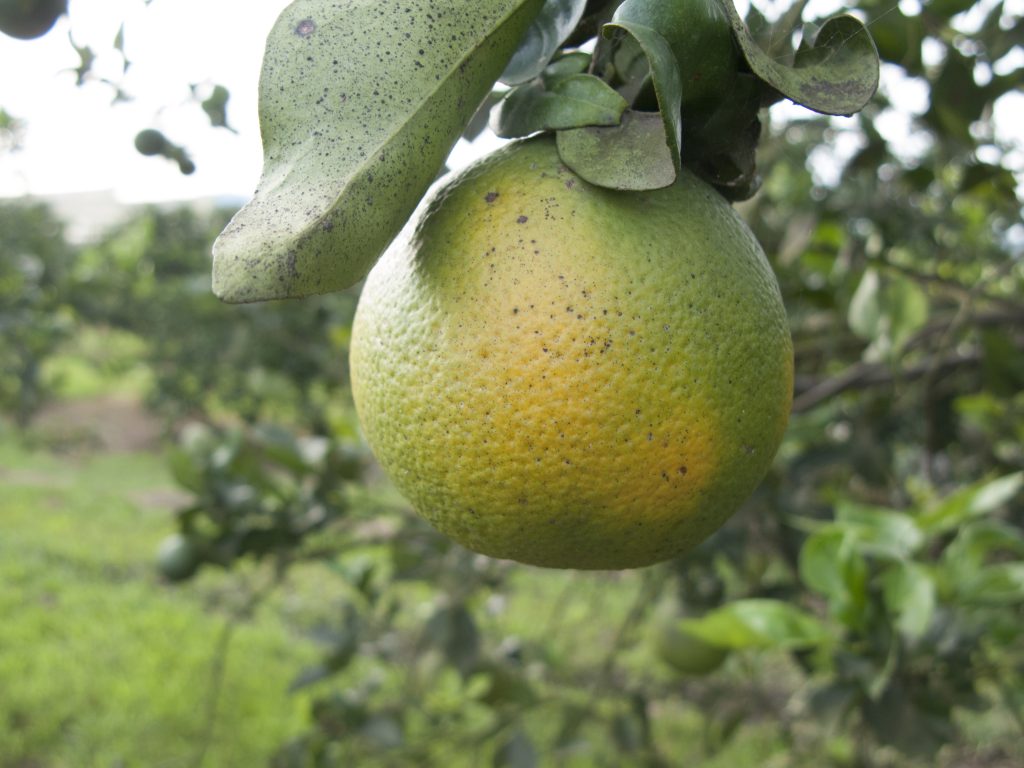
column 522, row 220
column 305, row 28
column 490, row 197
column 681, row 470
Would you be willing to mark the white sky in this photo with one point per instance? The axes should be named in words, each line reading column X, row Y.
column 76, row 140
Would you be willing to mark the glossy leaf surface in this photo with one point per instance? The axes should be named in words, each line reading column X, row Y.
column 557, row 18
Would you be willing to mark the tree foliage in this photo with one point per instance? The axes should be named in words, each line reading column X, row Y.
column 866, row 601
column 35, row 261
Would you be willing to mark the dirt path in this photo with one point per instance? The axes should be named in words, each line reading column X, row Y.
column 109, row 423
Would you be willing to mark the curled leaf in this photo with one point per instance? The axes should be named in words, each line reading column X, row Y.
column 557, row 18
column 630, row 156
column 360, row 104
column 643, row 151
column 574, row 101
column 664, row 75
column 835, row 72
column 700, row 37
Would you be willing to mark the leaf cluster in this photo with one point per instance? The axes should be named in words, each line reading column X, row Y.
column 353, row 136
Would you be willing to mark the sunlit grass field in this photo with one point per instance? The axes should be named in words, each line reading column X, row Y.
column 100, row 663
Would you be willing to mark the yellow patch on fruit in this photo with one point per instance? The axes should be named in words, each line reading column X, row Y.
column 570, row 376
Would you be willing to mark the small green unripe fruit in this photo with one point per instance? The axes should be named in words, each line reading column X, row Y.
column 178, row 557
column 151, row 142
column 685, row 652
column 29, row 19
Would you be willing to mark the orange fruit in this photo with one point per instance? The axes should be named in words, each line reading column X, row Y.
column 570, row 376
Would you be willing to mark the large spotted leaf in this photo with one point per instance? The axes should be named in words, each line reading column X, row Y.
column 835, row 72
column 360, row 104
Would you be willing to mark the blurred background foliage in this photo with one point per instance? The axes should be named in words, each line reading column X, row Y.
column 863, row 609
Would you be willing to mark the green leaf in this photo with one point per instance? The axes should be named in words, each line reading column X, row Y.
column 565, row 65
column 630, row 156
column 119, row 47
column 1001, row 584
column 909, row 594
column 886, row 311
column 503, row 685
column 830, row 564
column 574, row 101
column 360, row 105
column 977, row 541
column 700, row 38
column 383, row 731
column 758, row 623
column 831, row 701
column 557, row 18
column 627, row 733
column 898, row 39
column 643, row 151
column 836, row 73
column 879, row 531
column 187, row 470
column 280, row 445
column 344, row 644
column 516, row 752
column 819, row 564
column 973, row 501
column 899, row 720
column 453, row 630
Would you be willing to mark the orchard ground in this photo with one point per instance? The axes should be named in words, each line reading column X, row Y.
column 103, row 664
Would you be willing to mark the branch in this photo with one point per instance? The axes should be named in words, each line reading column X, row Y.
column 811, row 393
column 865, row 375
column 954, row 286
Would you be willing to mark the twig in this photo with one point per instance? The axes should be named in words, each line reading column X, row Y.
column 217, row 669
column 864, row 375
column 861, row 375
column 973, row 292
column 218, row 665
column 653, row 579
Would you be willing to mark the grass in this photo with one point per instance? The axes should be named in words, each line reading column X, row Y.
column 98, row 361
column 100, row 663
column 103, row 665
